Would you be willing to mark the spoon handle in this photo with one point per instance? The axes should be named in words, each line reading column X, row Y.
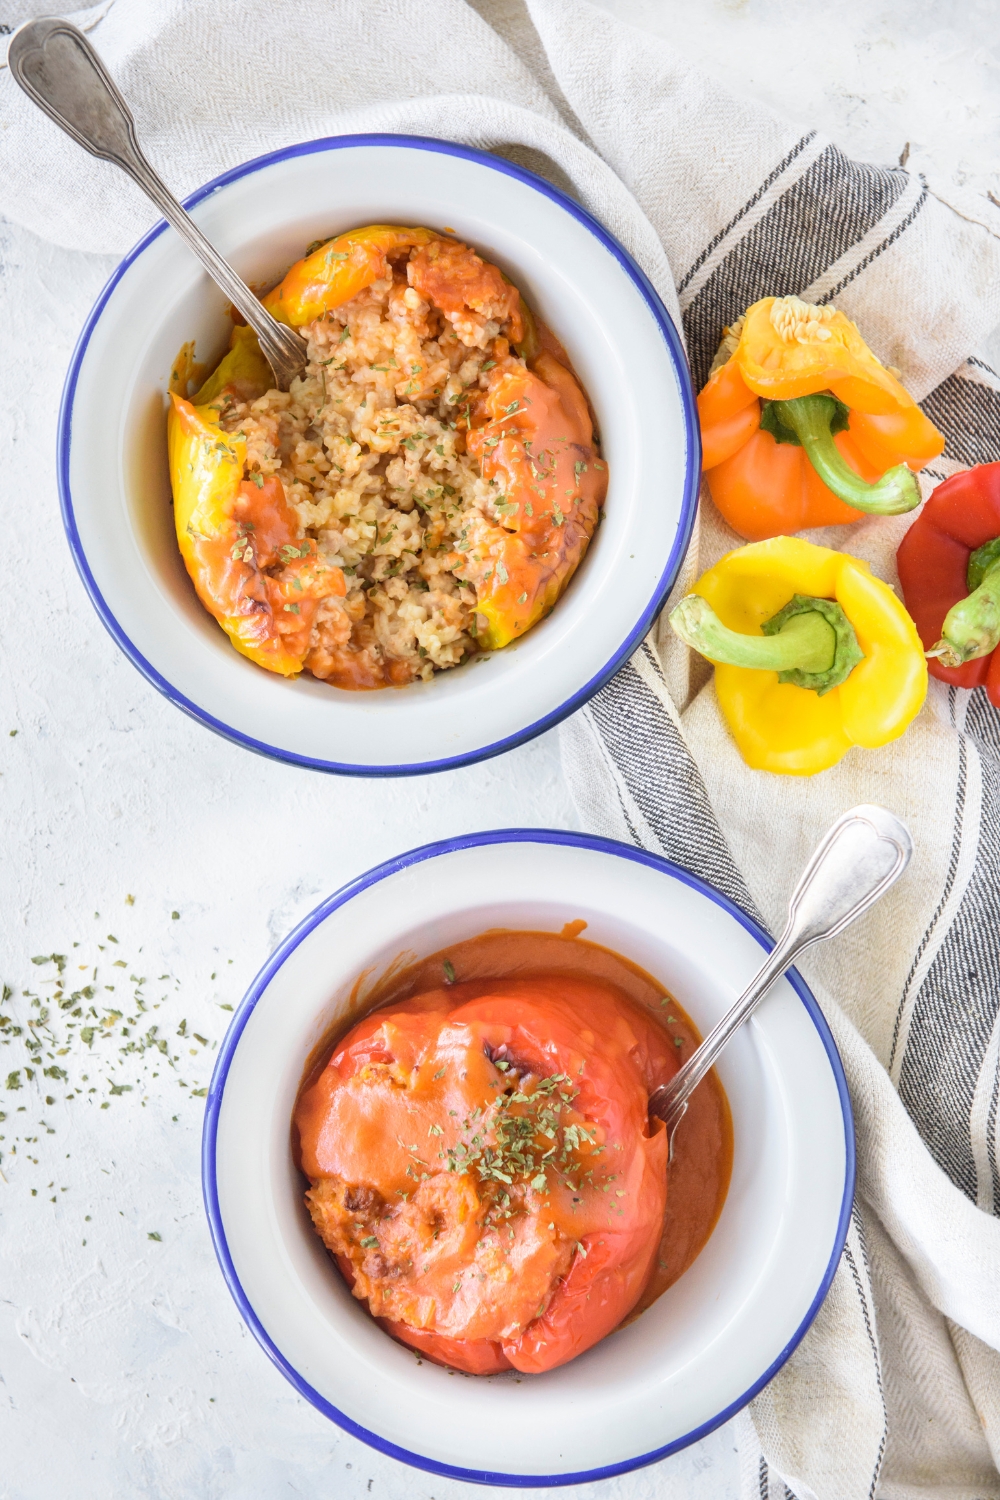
column 59, row 70
column 862, row 855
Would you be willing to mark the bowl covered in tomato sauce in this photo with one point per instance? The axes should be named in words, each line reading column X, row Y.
column 434, row 1189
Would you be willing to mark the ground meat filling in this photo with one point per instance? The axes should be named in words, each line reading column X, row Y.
column 369, row 448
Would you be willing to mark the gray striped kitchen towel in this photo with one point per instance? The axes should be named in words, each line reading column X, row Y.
column 895, row 1392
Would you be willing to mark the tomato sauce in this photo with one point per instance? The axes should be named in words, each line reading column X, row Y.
column 481, row 1161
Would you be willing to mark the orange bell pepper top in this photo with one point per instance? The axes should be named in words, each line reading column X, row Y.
column 781, row 351
column 484, row 1168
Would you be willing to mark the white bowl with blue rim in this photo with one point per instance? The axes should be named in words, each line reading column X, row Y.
column 710, row 1342
column 115, row 489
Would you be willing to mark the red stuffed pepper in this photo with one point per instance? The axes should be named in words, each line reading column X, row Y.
column 484, row 1169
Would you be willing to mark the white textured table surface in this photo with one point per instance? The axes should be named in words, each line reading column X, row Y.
column 124, row 1368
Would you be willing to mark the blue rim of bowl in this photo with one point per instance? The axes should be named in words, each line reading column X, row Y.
column 231, row 1041
column 688, row 505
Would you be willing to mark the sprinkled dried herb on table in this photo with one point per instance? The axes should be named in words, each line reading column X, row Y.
column 88, row 1031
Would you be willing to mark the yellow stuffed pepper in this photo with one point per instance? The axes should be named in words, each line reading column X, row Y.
column 812, row 653
column 242, row 544
column 530, row 431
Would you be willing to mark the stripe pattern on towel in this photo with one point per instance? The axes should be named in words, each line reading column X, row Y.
column 948, row 1076
column 811, row 214
column 790, row 246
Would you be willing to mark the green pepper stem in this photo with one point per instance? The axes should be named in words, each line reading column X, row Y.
column 810, row 418
column 807, row 643
column 972, row 626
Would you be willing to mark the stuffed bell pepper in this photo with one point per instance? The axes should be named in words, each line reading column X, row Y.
column 425, row 490
column 484, row 1169
column 802, row 426
column 949, row 569
column 812, row 654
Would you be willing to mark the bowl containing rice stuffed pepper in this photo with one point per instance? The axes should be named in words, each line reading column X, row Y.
column 478, row 492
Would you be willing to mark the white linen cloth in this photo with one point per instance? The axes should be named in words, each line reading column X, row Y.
column 895, row 1391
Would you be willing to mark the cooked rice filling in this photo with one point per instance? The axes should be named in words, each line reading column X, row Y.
column 366, row 446
column 427, row 487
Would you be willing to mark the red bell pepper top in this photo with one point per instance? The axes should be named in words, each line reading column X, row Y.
column 961, row 515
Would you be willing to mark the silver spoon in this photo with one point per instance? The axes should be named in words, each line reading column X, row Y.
column 862, row 855
column 57, row 67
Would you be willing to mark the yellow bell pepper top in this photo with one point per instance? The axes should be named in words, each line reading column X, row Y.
column 788, row 348
column 242, row 544
column 338, row 270
column 793, row 730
